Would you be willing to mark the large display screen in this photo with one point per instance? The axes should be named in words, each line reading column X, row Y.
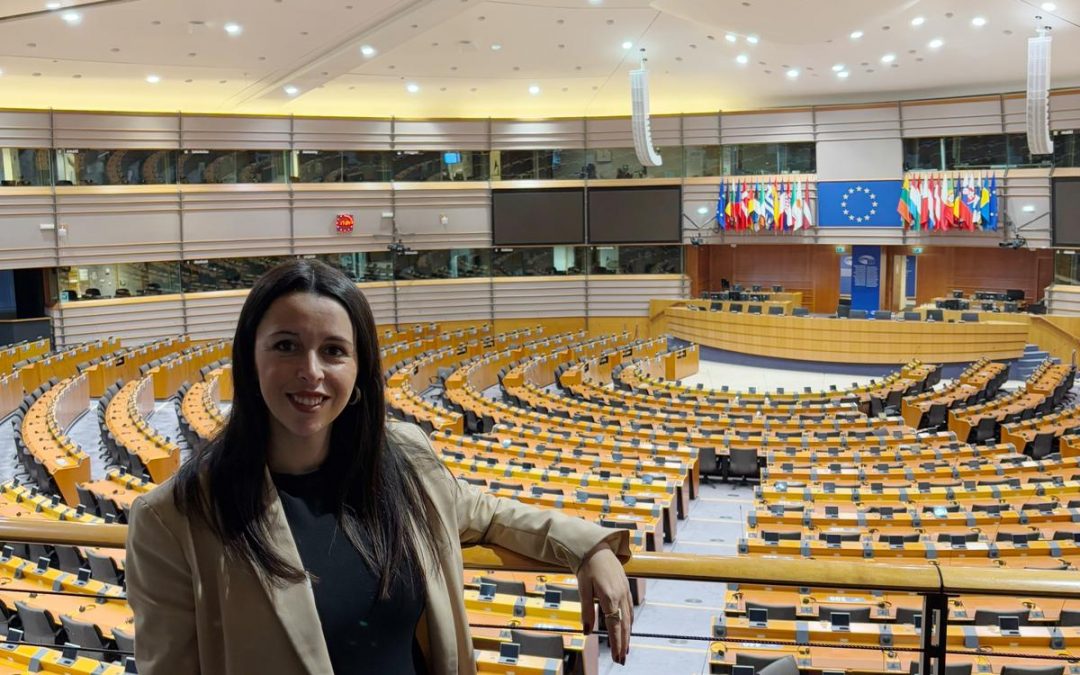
column 645, row 215
column 544, row 217
column 1066, row 211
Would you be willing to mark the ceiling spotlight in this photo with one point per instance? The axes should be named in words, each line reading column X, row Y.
column 233, row 28
column 153, row 79
column 596, row 2
column 838, row 67
column 855, row 35
column 978, row 21
column 534, row 90
column 53, row 5
column 935, row 43
column 752, row 39
column 918, row 21
column 1048, row 7
column 731, row 37
column 496, row 47
column 412, row 88
column 1, row 71
column 71, row 18
column 888, row 58
column 843, row 74
column 367, row 51
column 742, row 59
column 793, row 73
column 291, row 90
column 627, row 44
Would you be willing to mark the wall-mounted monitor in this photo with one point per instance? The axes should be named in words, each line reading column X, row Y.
column 1065, row 211
column 552, row 217
column 636, row 215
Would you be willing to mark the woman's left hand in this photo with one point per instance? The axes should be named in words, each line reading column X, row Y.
column 601, row 577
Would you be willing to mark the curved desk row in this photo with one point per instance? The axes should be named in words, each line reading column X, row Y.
column 847, row 340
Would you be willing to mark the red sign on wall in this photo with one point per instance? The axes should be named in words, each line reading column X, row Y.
column 345, row 223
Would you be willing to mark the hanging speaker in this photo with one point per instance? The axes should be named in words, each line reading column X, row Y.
column 1038, row 95
column 639, row 94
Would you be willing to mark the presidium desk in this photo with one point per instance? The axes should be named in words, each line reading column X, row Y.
column 812, row 338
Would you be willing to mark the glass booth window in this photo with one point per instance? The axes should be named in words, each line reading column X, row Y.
column 974, row 152
column 120, row 280
column 1066, row 267
column 115, row 167
column 538, row 165
column 455, row 263
column 424, row 166
column 702, row 160
column 535, row 261
column 25, row 166
column 361, row 266
column 923, row 154
column 1067, row 148
column 232, row 166
column 1019, row 155
column 331, row 166
column 223, row 274
column 769, row 158
column 635, row 260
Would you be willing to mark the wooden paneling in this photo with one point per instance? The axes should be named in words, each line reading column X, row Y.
column 812, row 270
column 944, row 268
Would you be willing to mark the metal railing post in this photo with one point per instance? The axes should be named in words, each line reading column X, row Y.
column 934, row 639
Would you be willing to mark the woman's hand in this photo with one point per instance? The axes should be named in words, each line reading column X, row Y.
column 601, row 576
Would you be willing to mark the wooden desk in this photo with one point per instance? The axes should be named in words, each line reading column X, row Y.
column 847, row 340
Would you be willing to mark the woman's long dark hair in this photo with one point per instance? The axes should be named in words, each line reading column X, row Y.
column 384, row 510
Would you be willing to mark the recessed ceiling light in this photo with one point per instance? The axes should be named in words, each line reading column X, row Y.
column 888, row 58
column 742, row 59
column 53, row 5
column 918, row 21
column 935, row 43
column 71, row 18
column 596, row 2
column 534, row 89
column 731, row 37
column 233, row 28
column 1, row 71
column 843, row 74
column 752, row 39
column 793, row 73
column 978, row 21
column 627, row 44
column 496, row 47
column 367, row 50
column 153, row 79
column 291, row 90
column 855, row 35
column 1048, row 6
column 412, row 88
column 838, row 67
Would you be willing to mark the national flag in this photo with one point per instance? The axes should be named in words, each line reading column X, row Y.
column 992, row 223
column 903, row 208
column 807, row 214
column 984, row 203
column 720, row 206
column 973, row 202
column 915, row 203
column 924, row 206
column 963, row 201
column 744, row 204
column 770, row 216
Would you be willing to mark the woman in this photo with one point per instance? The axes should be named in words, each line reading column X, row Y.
column 311, row 536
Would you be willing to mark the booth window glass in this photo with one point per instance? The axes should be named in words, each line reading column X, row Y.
column 222, row 274
column 233, row 166
column 976, row 152
column 635, row 260
column 702, row 160
column 1019, row 154
column 458, row 263
column 534, row 261
column 538, row 164
column 1067, row 267
column 25, row 166
column 768, row 158
column 439, row 165
column 1067, row 148
column 118, row 280
column 115, row 167
column 923, row 154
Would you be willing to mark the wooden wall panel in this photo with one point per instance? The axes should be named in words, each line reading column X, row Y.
column 943, row 268
column 813, row 270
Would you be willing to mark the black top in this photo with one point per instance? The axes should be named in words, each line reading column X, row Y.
column 363, row 634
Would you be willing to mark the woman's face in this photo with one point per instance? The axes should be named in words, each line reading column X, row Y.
column 306, row 362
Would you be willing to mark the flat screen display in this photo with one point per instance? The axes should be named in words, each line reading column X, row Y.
column 645, row 215
column 549, row 217
column 1066, row 211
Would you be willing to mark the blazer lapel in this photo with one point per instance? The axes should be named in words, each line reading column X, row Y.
column 294, row 603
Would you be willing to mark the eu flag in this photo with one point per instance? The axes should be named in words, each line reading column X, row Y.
column 868, row 203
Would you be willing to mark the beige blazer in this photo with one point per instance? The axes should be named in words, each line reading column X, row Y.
column 198, row 612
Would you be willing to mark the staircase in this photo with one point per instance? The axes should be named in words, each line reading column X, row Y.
column 1023, row 367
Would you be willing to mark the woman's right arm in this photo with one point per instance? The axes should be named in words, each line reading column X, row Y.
column 159, row 589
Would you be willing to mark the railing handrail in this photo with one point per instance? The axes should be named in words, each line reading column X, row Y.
column 881, row 576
